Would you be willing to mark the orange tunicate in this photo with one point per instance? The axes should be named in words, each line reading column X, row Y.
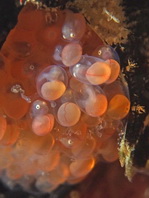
column 109, row 150
column 98, row 73
column 113, row 88
column 74, row 180
column 43, row 184
column 14, row 106
column 89, row 120
column 115, row 70
column 71, row 54
column 74, row 84
column 48, row 182
column 68, row 114
column 14, row 171
column 5, row 157
column 106, row 133
column 70, row 138
column 50, row 162
column 11, row 135
column 70, row 142
column 52, row 90
column 43, row 124
column 85, row 149
column 81, row 167
column 3, row 126
column 74, row 26
column 118, row 107
column 90, row 41
column 59, row 174
column 80, row 130
column 42, row 145
column 96, row 107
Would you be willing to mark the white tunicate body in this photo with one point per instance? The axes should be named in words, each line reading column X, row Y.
column 51, row 73
column 74, row 26
column 106, row 52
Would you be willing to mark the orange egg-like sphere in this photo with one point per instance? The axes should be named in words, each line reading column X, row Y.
column 119, row 107
column 98, row 73
column 82, row 167
column 71, row 54
column 115, row 70
column 68, row 114
column 16, row 108
column 98, row 107
column 43, row 124
column 52, row 90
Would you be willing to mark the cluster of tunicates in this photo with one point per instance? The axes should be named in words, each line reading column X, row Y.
column 62, row 100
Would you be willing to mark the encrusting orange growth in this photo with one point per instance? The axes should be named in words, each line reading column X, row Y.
column 60, row 105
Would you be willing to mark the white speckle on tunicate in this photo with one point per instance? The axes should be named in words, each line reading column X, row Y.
column 37, row 106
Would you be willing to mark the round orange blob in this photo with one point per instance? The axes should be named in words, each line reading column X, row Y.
column 71, row 54
column 119, row 107
column 15, row 107
column 80, row 167
column 43, row 124
column 98, row 73
column 68, row 114
column 109, row 150
column 42, row 145
column 52, row 90
column 115, row 70
column 96, row 107
column 85, row 149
